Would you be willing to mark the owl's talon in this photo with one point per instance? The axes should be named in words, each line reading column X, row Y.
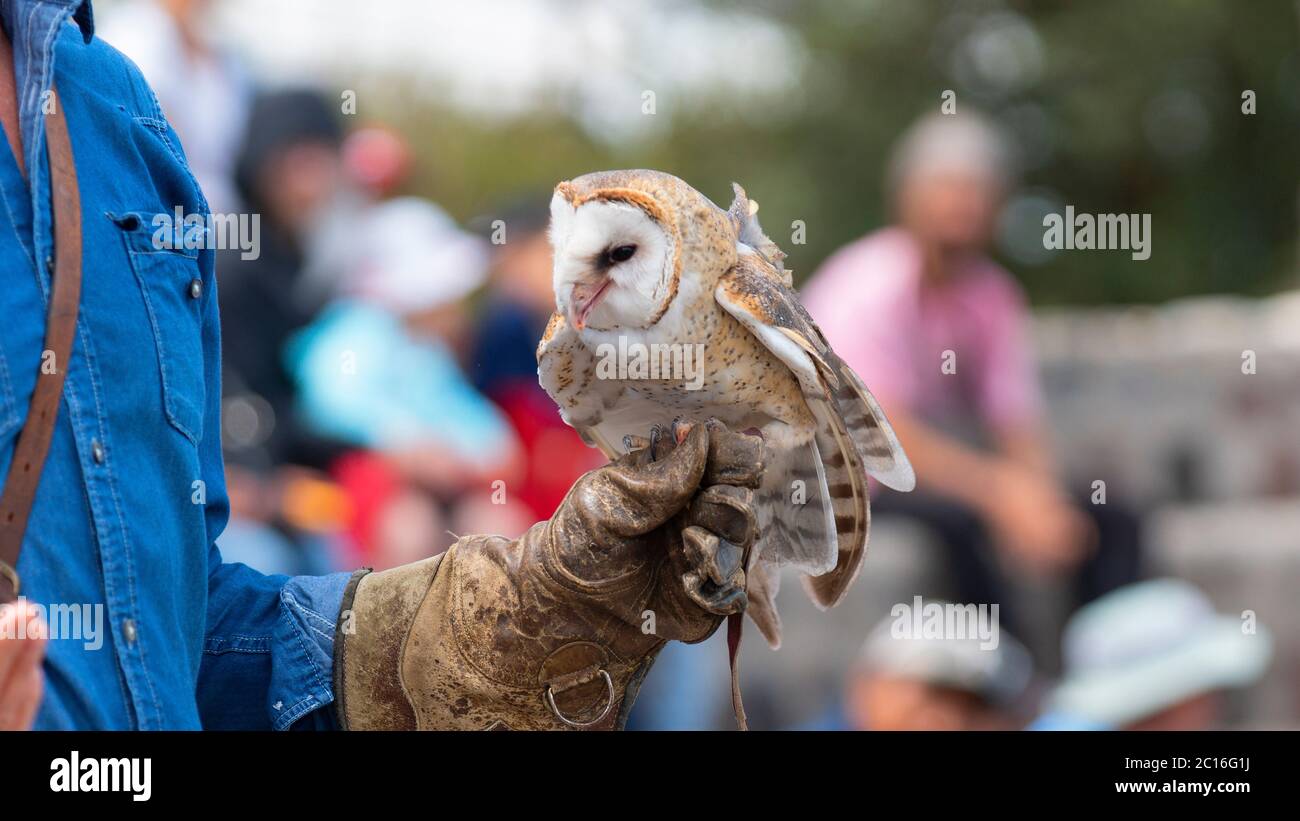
column 716, row 580
column 681, row 429
column 656, row 433
column 723, row 600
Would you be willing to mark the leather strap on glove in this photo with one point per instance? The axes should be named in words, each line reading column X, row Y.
column 557, row 629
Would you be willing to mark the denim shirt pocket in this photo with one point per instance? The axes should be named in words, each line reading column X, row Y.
column 171, row 286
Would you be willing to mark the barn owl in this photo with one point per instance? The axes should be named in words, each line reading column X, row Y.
column 671, row 310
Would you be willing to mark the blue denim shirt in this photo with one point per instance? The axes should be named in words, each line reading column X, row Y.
column 133, row 497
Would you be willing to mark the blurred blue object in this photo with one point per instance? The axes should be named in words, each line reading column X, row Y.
column 1065, row 721
column 365, row 380
column 258, row 546
column 506, row 344
column 685, row 689
column 833, row 719
column 266, row 549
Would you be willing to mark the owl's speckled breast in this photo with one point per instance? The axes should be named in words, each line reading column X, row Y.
column 743, row 383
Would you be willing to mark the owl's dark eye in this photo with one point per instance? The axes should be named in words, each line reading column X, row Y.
column 621, row 253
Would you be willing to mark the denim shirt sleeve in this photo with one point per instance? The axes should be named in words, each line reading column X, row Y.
column 269, row 645
column 268, row 656
column 268, row 648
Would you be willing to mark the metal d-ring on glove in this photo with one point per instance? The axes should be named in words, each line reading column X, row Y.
column 582, row 725
column 557, row 629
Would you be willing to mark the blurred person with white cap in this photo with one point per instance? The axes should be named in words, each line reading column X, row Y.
column 1154, row 656
column 930, row 682
column 378, row 370
column 939, row 331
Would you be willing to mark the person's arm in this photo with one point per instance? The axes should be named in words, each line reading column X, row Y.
column 1026, row 444
column 1030, row 516
column 269, row 640
column 864, row 306
column 1014, row 488
column 1008, row 392
column 944, row 465
column 21, row 679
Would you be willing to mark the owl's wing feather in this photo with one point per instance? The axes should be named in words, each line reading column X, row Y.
column 566, row 369
column 743, row 214
column 763, row 305
column 852, row 433
column 793, row 504
column 881, row 452
column 762, row 581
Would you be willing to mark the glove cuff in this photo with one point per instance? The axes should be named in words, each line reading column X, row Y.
column 369, row 642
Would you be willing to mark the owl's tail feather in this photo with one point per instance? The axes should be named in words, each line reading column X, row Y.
column 846, row 486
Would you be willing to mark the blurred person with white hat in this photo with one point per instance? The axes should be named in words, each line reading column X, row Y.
column 378, row 370
column 1154, row 656
column 932, row 682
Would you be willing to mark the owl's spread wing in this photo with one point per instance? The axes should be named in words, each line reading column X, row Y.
column 853, row 436
column 594, row 407
column 754, row 288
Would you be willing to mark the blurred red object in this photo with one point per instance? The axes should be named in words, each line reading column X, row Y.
column 377, row 158
column 370, row 483
column 555, row 454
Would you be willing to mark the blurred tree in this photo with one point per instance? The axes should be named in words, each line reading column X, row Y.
column 1117, row 107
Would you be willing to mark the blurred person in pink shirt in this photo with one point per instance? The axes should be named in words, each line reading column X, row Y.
column 938, row 331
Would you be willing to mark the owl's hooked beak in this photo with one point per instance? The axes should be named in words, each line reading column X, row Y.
column 584, row 297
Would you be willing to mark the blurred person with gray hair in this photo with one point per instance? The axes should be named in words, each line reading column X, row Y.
column 905, row 681
column 938, row 329
column 1154, row 656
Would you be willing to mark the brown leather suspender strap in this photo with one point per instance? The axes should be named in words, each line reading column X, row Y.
column 9, row 102
column 60, row 329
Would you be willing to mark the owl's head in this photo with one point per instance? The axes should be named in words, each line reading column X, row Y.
column 621, row 240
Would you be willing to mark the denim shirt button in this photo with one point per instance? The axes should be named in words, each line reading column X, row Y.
column 128, row 631
column 97, row 451
column 196, row 288
column 49, row 264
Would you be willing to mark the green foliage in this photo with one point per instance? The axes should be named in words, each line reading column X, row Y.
column 1130, row 107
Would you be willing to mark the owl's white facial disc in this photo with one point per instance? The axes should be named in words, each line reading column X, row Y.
column 612, row 264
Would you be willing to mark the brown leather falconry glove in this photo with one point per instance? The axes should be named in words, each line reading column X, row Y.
column 557, row 629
